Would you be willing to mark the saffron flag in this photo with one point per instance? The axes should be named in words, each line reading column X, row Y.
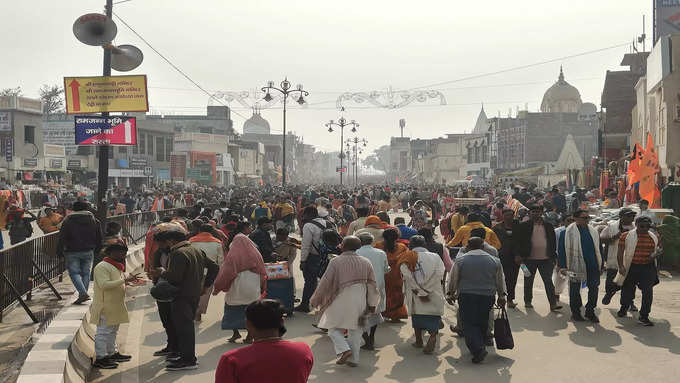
column 634, row 166
column 649, row 167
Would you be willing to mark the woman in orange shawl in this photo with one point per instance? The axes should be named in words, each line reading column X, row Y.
column 394, row 308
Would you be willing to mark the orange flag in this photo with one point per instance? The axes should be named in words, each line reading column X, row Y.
column 634, row 166
column 648, row 169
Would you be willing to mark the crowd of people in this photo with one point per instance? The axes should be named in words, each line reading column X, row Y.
column 361, row 266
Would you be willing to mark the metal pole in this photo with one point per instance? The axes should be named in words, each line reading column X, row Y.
column 283, row 178
column 103, row 175
column 342, row 154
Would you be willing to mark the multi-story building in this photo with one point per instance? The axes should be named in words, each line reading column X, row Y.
column 445, row 159
column 21, row 136
column 618, row 101
column 530, row 140
column 657, row 110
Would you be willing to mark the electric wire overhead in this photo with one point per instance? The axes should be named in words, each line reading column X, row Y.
column 175, row 67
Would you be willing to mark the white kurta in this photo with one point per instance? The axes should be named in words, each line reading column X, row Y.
column 431, row 269
column 346, row 308
column 244, row 290
column 381, row 266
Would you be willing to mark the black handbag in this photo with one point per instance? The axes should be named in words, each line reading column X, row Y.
column 502, row 332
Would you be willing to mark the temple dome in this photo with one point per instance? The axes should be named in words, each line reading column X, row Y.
column 562, row 97
column 256, row 124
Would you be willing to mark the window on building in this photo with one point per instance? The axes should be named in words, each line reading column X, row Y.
column 168, row 148
column 142, row 143
column 206, row 129
column 122, row 149
column 29, row 134
column 178, row 129
column 160, row 148
column 469, row 156
column 149, row 145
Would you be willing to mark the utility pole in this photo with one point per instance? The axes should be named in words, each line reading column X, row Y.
column 103, row 174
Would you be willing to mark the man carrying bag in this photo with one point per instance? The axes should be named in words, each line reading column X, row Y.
column 476, row 278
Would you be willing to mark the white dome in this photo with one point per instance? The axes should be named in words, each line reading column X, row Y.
column 562, row 97
column 256, row 125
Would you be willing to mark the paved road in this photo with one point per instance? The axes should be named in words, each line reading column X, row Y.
column 549, row 348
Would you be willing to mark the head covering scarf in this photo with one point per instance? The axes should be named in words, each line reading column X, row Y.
column 242, row 256
column 373, row 220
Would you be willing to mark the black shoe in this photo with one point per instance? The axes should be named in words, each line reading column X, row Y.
column 173, row 357
column 528, row 305
column 556, row 307
column 480, row 357
column 81, row 299
column 302, row 309
column 118, row 357
column 592, row 317
column 105, row 363
column 622, row 313
column 645, row 322
column 163, row 352
column 633, row 308
column 606, row 299
column 577, row 317
column 181, row 365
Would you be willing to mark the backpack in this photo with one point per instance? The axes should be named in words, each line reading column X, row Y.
column 445, row 225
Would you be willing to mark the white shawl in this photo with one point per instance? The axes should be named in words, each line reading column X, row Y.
column 574, row 252
column 629, row 252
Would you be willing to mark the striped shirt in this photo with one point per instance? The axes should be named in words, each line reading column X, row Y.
column 643, row 250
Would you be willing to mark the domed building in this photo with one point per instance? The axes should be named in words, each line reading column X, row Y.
column 256, row 124
column 562, row 97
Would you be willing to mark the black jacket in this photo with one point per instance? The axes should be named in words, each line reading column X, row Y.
column 263, row 241
column 522, row 239
column 186, row 269
column 80, row 231
column 507, row 250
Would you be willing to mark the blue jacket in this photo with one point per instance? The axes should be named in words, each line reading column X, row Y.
column 406, row 232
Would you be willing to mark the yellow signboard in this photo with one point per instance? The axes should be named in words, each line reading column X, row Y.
column 106, row 94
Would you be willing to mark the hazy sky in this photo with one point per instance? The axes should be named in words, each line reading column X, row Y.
column 333, row 47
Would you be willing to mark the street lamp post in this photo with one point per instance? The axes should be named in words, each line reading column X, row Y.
column 341, row 124
column 285, row 90
column 356, row 141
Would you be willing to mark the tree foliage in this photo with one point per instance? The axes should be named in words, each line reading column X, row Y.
column 11, row 92
column 52, row 97
column 379, row 159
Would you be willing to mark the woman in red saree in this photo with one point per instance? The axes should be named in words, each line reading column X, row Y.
column 394, row 308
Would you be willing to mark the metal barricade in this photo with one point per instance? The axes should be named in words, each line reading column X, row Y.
column 34, row 263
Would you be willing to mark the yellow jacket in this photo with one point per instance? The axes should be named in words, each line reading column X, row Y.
column 463, row 235
column 457, row 221
column 109, row 295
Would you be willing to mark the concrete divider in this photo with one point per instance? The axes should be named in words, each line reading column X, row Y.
column 64, row 352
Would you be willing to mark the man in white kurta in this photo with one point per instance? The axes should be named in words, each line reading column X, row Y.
column 378, row 260
column 346, row 293
column 423, row 292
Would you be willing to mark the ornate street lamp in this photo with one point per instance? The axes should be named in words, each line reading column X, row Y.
column 285, row 90
column 341, row 124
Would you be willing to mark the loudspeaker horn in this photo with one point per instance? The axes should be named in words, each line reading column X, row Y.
column 125, row 58
column 95, row 29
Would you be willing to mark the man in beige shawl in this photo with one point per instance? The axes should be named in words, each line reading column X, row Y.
column 346, row 294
